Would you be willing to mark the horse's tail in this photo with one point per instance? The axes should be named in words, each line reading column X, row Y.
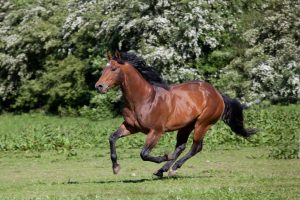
column 233, row 117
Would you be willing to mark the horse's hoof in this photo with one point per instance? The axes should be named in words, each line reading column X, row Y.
column 159, row 174
column 116, row 169
column 172, row 173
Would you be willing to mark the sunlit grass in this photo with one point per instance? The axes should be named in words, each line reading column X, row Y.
column 230, row 174
column 50, row 157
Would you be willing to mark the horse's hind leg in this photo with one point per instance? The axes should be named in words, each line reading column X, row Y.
column 196, row 147
column 182, row 137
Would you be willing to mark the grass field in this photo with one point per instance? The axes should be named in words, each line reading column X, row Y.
column 50, row 157
column 230, row 174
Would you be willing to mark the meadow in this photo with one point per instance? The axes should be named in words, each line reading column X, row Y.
column 51, row 157
column 53, row 52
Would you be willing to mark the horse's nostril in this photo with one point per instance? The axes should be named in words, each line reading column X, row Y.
column 98, row 86
column 102, row 88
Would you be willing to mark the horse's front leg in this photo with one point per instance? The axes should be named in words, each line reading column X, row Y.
column 123, row 131
column 151, row 140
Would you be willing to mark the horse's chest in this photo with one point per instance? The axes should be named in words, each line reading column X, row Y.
column 132, row 118
column 137, row 119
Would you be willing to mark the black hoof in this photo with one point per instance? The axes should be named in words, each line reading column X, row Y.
column 159, row 173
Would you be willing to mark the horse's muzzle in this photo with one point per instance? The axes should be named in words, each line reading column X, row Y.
column 102, row 88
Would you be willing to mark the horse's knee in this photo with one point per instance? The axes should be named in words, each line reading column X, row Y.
column 144, row 155
column 181, row 147
column 200, row 146
column 113, row 137
column 113, row 157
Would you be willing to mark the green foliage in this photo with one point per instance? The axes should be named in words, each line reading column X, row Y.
column 282, row 123
column 41, row 133
column 268, row 66
column 61, row 85
column 278, row 130
column 52, row 52
column 172, row 35
column 212, row 65
column 48, row 60
column 102, row 106
column 27, row 35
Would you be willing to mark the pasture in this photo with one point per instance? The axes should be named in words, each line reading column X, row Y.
column 50, row 157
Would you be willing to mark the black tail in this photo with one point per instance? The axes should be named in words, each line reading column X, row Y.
column 233, row 117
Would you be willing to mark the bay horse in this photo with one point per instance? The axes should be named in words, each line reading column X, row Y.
column 153, row 108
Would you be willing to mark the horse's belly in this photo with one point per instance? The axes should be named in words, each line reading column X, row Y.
column 181, row 118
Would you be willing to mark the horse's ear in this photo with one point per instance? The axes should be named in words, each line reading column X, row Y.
column 118, row 54
column 108, row 56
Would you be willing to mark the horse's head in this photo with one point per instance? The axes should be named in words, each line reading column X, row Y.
column 111, row 74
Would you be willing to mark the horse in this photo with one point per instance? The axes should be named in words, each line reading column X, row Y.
column 154, row 108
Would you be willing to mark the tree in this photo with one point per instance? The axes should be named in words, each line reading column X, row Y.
column 269, row 67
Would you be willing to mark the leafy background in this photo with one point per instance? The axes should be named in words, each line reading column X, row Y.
column 52, row 52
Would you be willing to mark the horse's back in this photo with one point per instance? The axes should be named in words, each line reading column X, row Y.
column 197, row 91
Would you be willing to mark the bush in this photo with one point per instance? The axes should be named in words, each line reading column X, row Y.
column 268, row 67
column 61, row 85
column 102, row 106
column 62, row 44
column 279, row 129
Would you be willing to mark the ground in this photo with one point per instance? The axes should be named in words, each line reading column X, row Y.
column 221, row 174
column 54, row 157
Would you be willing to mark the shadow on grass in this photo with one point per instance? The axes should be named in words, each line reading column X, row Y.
column 136, row 180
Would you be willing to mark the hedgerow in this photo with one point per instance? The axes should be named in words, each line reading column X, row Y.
column 52, row 52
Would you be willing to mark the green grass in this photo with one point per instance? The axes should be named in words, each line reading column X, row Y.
column 230, row 174
column 278, row 130
column 50, row 157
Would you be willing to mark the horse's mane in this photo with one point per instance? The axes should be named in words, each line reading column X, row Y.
column 146, row 71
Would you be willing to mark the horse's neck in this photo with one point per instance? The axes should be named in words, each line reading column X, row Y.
column 136, row 90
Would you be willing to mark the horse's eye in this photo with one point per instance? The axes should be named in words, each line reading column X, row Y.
column 113, row 69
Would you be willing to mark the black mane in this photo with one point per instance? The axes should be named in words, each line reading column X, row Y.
column 139, row 63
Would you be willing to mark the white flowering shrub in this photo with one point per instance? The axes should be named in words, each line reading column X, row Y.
column 28, row 35
column 269, row 68
column 183, row 40
column 171, row 35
